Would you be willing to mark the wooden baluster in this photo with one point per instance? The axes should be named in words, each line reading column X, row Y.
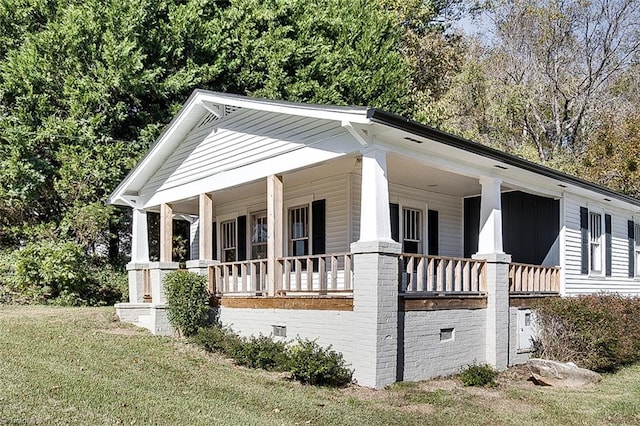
column 287, row 274
column 347, row 272
column 298, row 274
column 440, row 276
column 420, row 274
column 457, row 279
column 322, row 274
column 334, row 273
column 449, row 276
column 431, row 275
column 411, row 279
column 466, row 276
column 309, row 274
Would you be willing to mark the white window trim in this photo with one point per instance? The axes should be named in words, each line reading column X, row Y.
column 291, row 203
column 219, row 220
column 603, row 248
column 416, row 205
column 636, row 248
column 250, row 230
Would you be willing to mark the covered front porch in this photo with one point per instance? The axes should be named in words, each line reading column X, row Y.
column 290, row 235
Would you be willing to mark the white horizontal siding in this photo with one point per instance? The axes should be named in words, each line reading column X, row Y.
column 577, row 283
column 449, row 208
column 332, row 189
column 240, row 139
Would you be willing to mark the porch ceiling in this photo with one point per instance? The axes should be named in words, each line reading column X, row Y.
column 412, row 172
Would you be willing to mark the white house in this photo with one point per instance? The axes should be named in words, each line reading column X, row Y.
column 411, row 251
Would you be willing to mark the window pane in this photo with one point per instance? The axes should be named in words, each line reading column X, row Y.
column 412, row 230
column 258, row 228
column 595, row 248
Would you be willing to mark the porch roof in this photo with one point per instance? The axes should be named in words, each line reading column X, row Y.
column 362, row 123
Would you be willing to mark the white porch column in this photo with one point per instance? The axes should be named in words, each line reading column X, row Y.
column 490, row 237
column 496, row 274
column 275, row 233
column 139, row 237
column 205, row 213
column 375, row 222
column 166, row 232
column 203, row 247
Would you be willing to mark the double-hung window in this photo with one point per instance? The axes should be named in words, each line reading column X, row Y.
column 228, row 237
column 412, row 230
column 259, row 235
column 595, row 242
column 299, row 231
column 637, row 248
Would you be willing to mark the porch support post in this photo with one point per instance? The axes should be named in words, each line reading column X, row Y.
column 375, row 222
column 139, row 255
column 139, row 237
column 375, row 278
column 274, row 233
column 205, row 213
column 375, row 306
column 496, row 274
column 490, row 237
column 166, row 232
column 497, row 312
column 204, row 247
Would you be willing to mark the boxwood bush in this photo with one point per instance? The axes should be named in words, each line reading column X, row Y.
column 187, row 301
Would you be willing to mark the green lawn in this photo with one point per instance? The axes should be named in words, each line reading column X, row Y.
column 79, row 366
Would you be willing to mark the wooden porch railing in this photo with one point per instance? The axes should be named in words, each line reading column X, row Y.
column 316, row 274
column 441, row 275
column 524, row 278
column 245, row 277
column 324, row 273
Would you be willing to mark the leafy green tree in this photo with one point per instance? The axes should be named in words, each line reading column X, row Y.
column 85, row 86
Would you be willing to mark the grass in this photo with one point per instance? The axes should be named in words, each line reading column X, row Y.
column 79, row 366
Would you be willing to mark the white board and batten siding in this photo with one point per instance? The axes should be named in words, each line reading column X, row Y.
column 242, row 147
column 449, row 208
column 577, row 283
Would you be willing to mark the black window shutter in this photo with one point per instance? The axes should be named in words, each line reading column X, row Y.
column 394, row 213
column 584, row 234
column 631, row 240
column 607, row 244
column 214, row 241
column 432, row 233
column 241, row 244
column 318, row 226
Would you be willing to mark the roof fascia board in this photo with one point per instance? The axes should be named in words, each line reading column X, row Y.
column 169, row 131
column 418, row 129
column 352, row 114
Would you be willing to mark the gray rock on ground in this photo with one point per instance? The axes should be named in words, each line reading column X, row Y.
column 545, row 372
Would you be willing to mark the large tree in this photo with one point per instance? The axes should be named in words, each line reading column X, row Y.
column 541, row 83
column 86, row 85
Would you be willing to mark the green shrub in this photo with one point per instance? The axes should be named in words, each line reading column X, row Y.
column 218, row 339
column 262, row 352
column 599, row 331
column 310, row 363
column 46, row 269
column 478, row 375
column 187, row 301
column 306, row 360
